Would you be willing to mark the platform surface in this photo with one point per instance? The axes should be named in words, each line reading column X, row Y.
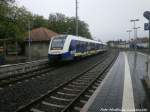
column 122, row 89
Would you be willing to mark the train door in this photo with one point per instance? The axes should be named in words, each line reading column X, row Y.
column 72, row 48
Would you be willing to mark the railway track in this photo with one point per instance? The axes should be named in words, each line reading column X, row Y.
column 73, row 94
column 20, row 77
column 9, row 79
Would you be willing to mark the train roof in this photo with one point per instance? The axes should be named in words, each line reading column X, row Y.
column 79, row 38
column 83, row 39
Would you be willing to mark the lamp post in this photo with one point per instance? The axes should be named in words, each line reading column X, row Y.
column 129, row 31
column 135, row 37
column 136, row 33
column 134, row 27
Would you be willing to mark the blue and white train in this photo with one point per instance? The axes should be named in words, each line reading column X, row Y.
column 68, row 47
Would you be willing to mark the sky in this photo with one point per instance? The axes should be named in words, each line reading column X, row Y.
column 107, row 19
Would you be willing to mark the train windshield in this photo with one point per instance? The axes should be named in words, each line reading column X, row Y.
column 58, row 43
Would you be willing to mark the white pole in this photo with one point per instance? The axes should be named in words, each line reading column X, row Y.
column 77, row 18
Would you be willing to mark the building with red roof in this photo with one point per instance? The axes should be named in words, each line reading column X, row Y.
column 40, row 39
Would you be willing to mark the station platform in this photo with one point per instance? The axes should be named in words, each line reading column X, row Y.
column 122, row 88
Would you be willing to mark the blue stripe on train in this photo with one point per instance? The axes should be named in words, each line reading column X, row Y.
column 64, row 56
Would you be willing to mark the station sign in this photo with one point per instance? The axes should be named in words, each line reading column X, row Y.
column 147, row 15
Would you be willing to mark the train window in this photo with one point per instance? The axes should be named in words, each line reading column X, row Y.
column 58, row 43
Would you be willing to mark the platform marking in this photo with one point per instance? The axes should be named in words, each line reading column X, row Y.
column 128, row 98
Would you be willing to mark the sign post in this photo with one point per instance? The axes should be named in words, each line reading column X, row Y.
column 147, row 27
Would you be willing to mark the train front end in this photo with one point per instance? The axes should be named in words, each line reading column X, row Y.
column 59, row 49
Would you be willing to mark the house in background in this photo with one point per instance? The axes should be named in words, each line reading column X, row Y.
column 40, row 39
column 140, row 42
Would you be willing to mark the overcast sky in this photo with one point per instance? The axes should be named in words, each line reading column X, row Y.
column 107, row 19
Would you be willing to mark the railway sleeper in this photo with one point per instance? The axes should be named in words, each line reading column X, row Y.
column 98, row 81
column 76, row 86
column 72, row 89
column 91, row 91
column 88, row 78
column 82, row 81
column 76, row 83
column 77, row 108
column 59, row 98
column 35, row 110
column 87, row 96
column 53, row 105
column 63, row 96
column 89, row 75
column 94, row 87
column 67, row 94
column 83, row 101
column 96, row 84
column 46, row 107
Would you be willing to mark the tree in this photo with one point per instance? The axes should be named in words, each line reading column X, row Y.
column 13, row 22
column 39, row 21
column 62, row 24
column 6, row 1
